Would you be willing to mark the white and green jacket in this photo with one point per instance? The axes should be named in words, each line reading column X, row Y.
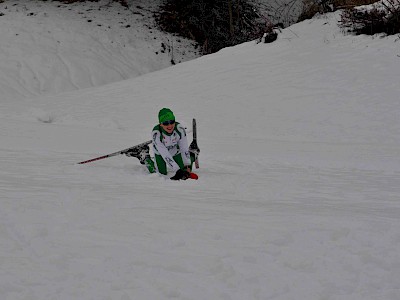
column 170, row 145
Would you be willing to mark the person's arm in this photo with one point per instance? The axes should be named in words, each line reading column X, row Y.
column 183, row 145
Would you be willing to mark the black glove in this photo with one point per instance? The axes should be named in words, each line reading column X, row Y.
column 181, row 175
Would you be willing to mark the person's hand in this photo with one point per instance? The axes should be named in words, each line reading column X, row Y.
column 181, row 175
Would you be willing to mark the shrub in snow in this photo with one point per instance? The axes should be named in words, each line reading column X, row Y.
column 312, row 7
column 122, row 2
column 214, row 24
column 380, row 17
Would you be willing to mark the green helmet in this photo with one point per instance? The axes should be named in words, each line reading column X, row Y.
column 165, row 114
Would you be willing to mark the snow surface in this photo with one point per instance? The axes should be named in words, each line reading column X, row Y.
column 299, row 188
column 49, row 47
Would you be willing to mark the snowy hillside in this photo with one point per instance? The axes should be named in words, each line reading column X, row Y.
column 49, row 47
column 299, row 188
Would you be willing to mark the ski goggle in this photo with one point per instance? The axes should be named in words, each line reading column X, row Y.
column 166, row 123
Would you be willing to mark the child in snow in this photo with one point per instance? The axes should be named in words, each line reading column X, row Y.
column 170, row 147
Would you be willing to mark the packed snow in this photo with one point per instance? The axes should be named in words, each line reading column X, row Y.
column 299, row 179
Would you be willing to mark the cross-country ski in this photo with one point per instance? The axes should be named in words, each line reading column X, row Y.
column 132, row 149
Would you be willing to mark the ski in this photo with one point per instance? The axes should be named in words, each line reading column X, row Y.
column 193, row 146
column 117, row 153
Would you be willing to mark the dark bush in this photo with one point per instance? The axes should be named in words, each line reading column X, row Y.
column 122, row 2
column 381, row 18
column 213, row 24
column 312, row 7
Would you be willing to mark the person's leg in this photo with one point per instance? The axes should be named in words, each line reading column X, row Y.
column 179, row 161
column 149, row 163
column 161, row 165
column 143, row 155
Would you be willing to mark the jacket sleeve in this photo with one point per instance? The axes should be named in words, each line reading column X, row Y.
column 163, row 151
column 183, row 145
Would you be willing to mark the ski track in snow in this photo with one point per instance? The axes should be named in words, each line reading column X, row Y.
column 218, row 232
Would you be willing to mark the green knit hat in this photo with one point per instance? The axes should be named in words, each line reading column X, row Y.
column 165, row 114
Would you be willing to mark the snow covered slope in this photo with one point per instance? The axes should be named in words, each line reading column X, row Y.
column 49, row 47
column 298, row 196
